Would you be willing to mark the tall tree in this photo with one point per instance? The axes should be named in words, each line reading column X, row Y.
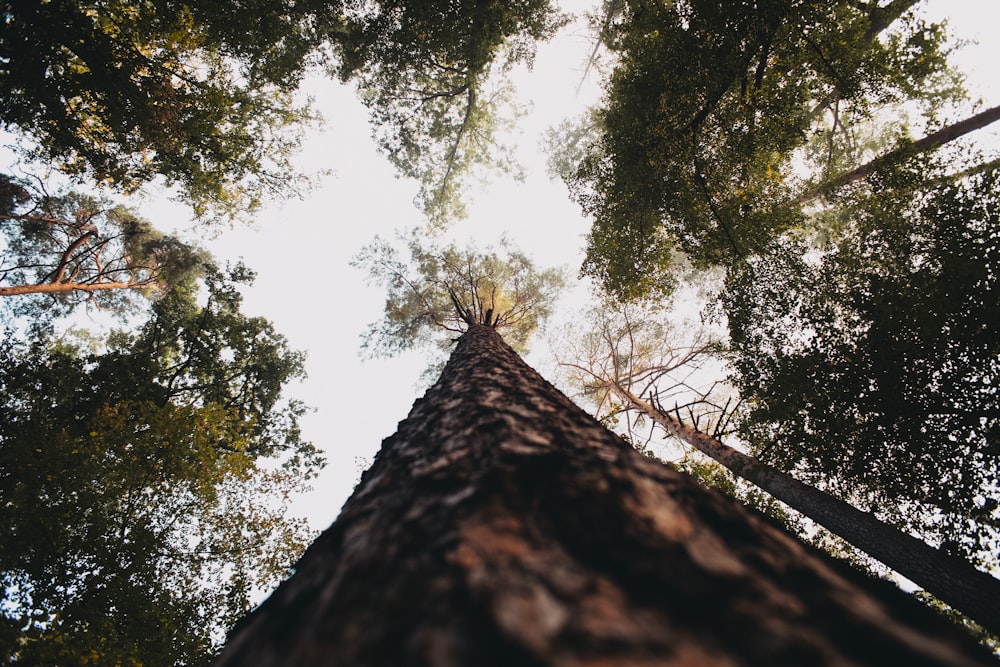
column 706, row 108
column 73, row 248
column 502, row 525
column 870, row 370
column 629, row 362
column 198, row 93
column 432, row 74
column 144, row 490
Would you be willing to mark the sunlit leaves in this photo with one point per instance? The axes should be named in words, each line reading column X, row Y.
column 129, row 532
column 144, row 489
column 124, row 92
column 445, row 289
column 191, row 353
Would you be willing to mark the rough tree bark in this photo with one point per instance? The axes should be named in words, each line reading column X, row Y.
column 949, row 578
column 502, row 525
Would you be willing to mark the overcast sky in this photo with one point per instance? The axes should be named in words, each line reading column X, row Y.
column 302, row 249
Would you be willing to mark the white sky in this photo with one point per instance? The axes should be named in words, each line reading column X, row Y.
column 302, row 249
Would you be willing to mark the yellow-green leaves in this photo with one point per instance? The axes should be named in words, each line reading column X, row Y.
column 144, row 487
column 447, row 289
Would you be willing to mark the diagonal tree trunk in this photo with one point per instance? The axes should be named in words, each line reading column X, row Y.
column 927, row 143
column 502, row 525
column 949, row 578
column 61, row 288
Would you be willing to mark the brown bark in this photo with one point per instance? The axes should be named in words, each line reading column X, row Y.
column 930, row 142
column 949, row 578
column 57, row 288
column 502, row 525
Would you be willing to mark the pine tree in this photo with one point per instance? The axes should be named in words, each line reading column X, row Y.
column 502, row 525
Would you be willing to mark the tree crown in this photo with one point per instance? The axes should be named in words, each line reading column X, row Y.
column 448, row 289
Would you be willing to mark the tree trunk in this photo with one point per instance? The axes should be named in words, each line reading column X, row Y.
column 502, row 525
column 949, row 578
column 61, row 288
column 930, row 142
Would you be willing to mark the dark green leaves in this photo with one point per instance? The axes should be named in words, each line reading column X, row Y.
column 704, row 112
column 872, row 370
column 123, row 92
column 144, row 489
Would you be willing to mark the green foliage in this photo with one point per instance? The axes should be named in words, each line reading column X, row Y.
column 69, row 248
column 447, row 289
column 430, row 73
column 199, row 93
column 196, row 354
column 143, row 490
column 705, row 110
column 871, row 370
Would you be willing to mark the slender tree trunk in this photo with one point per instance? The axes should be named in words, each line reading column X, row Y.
column 502, row 525
column 949, row 578
column 59, row 288
column 930, row 142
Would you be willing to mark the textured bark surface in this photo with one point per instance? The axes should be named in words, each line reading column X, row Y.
column 502, row 525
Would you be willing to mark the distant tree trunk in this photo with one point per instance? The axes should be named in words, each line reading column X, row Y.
column 949, row 578
column 502, row 525
column 57, row 288
column 930, row 142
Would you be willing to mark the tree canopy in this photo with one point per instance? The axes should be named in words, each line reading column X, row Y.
column 871, row 369
column 432, row 75
column 144, row 488
column 201, row 93
column 198, row 93
column 69, row 247
column 447, row 289
column 772, row 140
column 730, row 135
column 705, row 110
